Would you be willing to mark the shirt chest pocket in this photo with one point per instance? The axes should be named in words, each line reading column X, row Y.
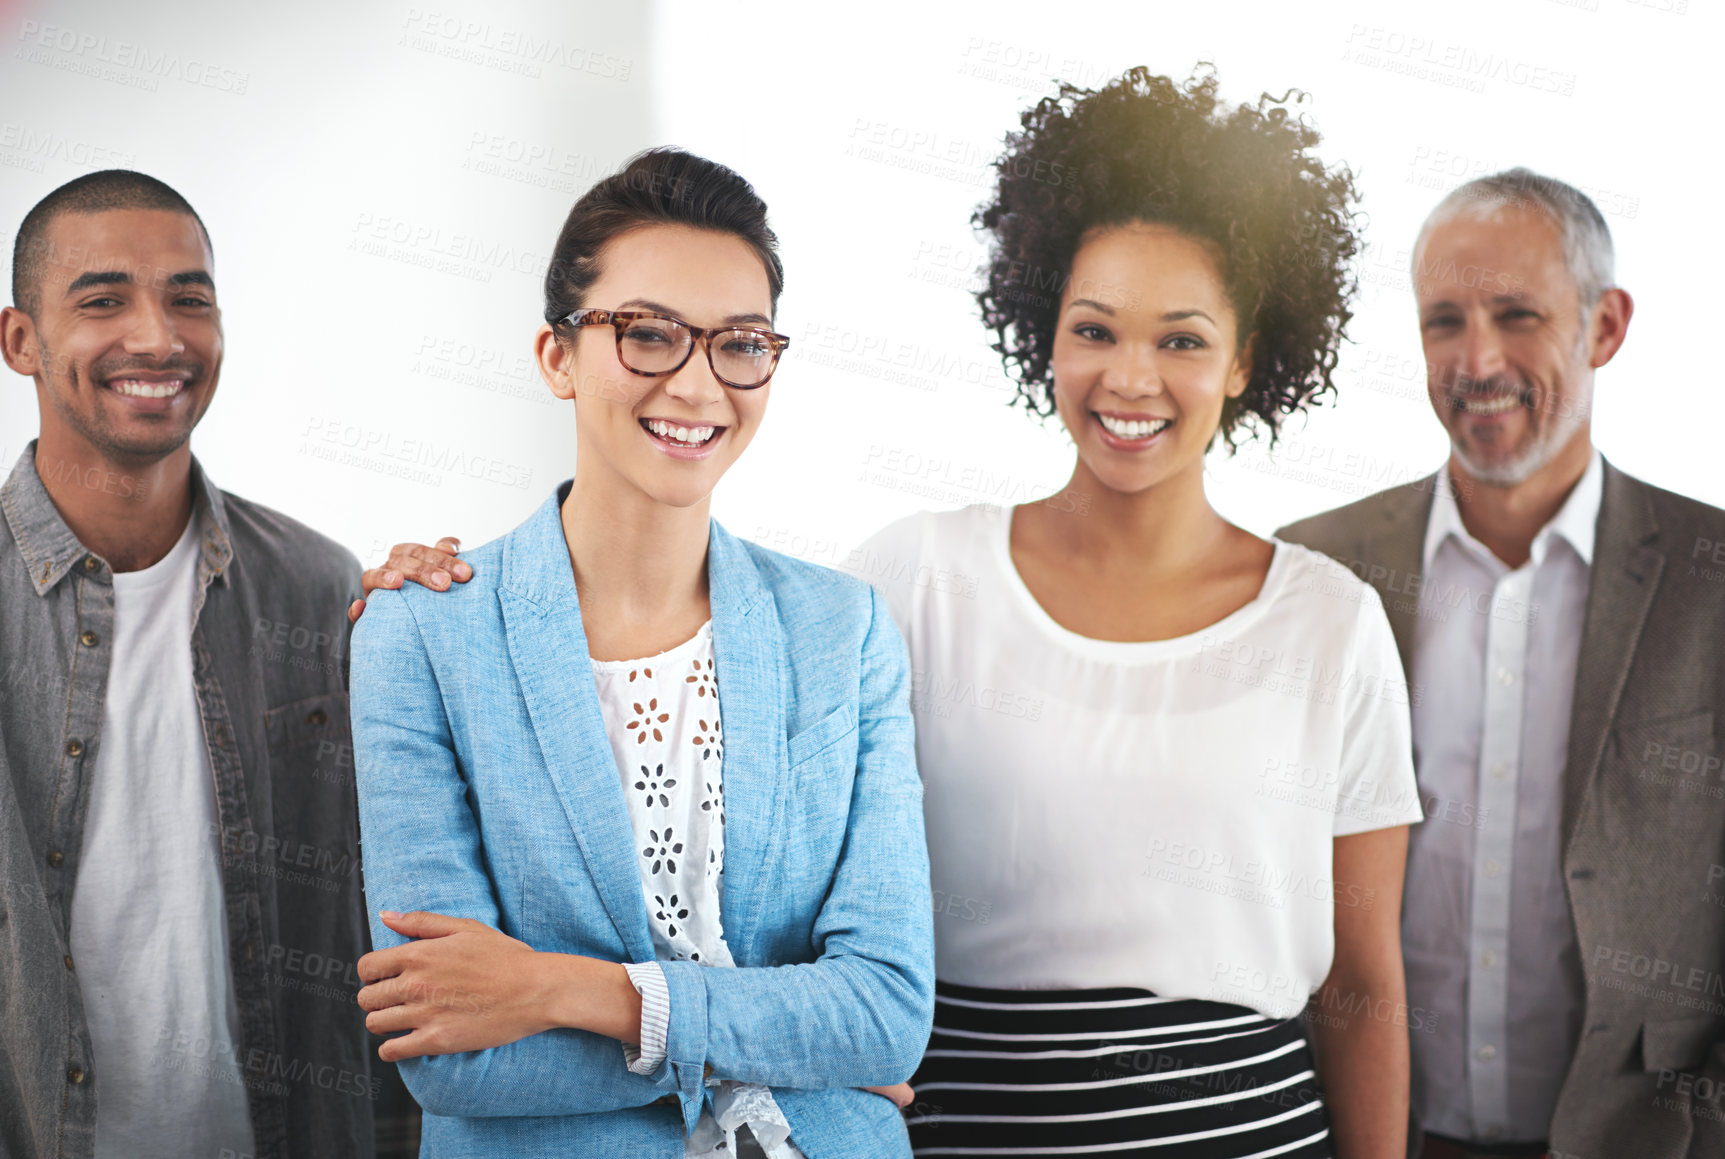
column 309, row 740
column 823, row 759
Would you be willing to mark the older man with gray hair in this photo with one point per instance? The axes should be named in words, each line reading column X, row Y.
column 1561, row 624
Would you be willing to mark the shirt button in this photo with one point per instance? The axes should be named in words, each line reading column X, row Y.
column 74, row 748
column 88, row 639
column 1494, row 1132
column 75, row 1075
column 1487, row 1053
column 1488, row 959
column 1505, row 676
column 1498, row 770
column 91, row 563
column 1493, row 868
column 55, row 857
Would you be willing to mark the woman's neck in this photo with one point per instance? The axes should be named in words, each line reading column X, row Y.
column 1161, row 531
column 640, row 567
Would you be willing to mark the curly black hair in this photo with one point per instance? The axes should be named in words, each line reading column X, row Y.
column 1145, row 148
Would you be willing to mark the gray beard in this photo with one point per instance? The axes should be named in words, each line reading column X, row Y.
column 1518, row 470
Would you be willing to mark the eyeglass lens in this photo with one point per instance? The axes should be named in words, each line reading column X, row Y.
column 655, row 345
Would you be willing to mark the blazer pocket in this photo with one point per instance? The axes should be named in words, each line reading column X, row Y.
column 1678, row 1043
column 822, row 735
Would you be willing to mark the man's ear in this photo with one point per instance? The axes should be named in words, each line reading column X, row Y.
column 18, row 344
column 1609, row 320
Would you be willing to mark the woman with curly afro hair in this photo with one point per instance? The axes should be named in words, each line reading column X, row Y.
column 1166, row 763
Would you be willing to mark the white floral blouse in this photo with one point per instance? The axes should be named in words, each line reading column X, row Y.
column 662, row 715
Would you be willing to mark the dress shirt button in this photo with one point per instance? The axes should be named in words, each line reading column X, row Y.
column 1498, row 770
column 1493, row 868
column 1487, row 1053
column 1505, row 676
column 1494, row 1132
column 74, row 748
column 1488, row 959
column 75, row 1074
column 55, row 857
column 88, row 639
column 91, row 563
column 317, row 716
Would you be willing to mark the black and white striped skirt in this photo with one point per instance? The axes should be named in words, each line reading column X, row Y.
column 1113, row 1072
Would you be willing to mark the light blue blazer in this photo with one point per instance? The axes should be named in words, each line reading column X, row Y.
column 487, row 790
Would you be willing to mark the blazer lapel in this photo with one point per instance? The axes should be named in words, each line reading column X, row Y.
column 1625, row 575
column 548, row 648
column 748, row 652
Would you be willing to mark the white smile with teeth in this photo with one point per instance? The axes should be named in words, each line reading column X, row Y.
column 691, row 436
column 1491, row 406
column 1132, row 428
column 137, row 388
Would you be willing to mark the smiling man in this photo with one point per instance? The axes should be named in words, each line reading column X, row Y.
column 1564, row 914
column 181, row 899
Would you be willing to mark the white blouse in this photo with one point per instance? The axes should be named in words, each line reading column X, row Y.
column 1156, row 815
column 662, row 716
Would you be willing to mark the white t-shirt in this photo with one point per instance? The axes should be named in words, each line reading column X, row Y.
column 1153, row 815
column 149, row 926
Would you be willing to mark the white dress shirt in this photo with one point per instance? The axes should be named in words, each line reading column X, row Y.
column 1488, row 940
column 662, row 716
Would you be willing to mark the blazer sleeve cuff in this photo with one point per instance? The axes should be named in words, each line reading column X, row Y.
column 686, row 1035
column 649, row 981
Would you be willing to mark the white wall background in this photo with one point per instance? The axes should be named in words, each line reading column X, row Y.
column 383, row 197
column 384, row 192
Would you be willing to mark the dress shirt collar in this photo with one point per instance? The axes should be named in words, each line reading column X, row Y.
column 1576, row 521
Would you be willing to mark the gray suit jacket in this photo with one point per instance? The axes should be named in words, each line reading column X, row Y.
column 1643, row 805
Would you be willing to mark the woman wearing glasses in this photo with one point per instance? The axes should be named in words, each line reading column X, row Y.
column 642, row 825
column 1167, row 763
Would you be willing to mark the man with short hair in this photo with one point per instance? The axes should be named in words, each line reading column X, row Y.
column 1561, row 628
column 181, row 900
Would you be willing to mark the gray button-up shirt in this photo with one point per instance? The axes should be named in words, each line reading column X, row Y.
column 1487, row 937
column 268, row 661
